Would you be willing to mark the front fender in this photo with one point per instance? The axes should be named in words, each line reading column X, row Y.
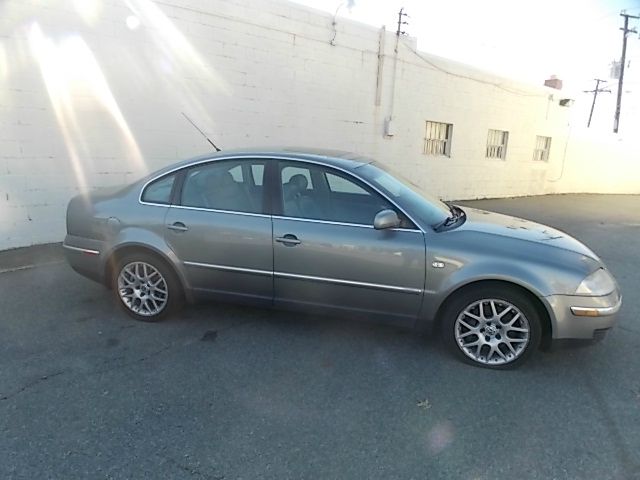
column 541, row 270
column 528, row 277
column 445, row 286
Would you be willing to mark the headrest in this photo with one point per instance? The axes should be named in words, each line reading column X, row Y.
column 215, row 180
column 300, row 181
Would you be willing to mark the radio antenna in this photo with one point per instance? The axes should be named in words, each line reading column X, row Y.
column 201, row 132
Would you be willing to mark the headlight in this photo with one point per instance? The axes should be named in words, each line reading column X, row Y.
column 598, row 283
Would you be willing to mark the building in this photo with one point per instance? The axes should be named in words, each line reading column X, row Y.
column 93, row 93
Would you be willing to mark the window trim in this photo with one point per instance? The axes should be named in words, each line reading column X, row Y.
column 216, row 210
column 271, row 177
column 504, row 146
column 546, row 152
column 344, row 224
column 447, row 141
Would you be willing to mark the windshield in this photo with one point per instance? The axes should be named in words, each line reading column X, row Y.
column 422, row 206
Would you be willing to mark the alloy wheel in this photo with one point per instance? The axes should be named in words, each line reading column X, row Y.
column 143, row 289
column 492, row 331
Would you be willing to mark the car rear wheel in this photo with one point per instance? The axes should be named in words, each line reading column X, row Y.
column 492, row 327
column 146, row 288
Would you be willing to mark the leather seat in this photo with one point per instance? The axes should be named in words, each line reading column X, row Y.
column 224, row 193
column 297, row 199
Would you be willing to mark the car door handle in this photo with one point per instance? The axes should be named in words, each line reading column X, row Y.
column 289, row 240
column 178, row 227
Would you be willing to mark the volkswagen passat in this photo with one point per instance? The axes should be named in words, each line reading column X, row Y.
column 333, row 232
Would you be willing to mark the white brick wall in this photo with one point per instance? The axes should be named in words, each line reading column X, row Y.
column 84, row 99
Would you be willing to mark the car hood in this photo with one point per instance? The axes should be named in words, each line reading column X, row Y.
column 521, row 229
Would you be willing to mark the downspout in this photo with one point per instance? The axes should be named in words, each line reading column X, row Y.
column 383, row 34
column 388, row 130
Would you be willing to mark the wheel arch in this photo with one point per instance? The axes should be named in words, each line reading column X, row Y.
column 129, row 248
column 541, row 308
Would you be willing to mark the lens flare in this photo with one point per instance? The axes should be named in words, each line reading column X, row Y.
column 4, row 64
column 132, row 22
column 184, row 69
column 74, row 79
column 89, row 10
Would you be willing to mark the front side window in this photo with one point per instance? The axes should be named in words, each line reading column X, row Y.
column 422, row 206
column 342, row 185
column 497, row 144
column 320, row 193
column 224, row 185
column 290, row 171
column 159, row 191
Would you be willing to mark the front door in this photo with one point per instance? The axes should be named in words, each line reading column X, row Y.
column 327, row 253
column 220, row 231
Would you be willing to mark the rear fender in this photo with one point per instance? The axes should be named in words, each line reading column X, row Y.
column 133, row 238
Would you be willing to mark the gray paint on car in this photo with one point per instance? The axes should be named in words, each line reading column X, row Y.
column 385, row 274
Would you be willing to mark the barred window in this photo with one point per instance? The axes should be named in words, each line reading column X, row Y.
column 543, row 146
column 437, row 139
column 497, row 144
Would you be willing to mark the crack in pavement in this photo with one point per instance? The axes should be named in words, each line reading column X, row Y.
column 133, row 362
column 142, row 359
column 44, row 378
column 32, row 383
column 29, row 267
column 627, row 329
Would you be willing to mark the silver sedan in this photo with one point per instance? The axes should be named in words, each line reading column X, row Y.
column 335, row 233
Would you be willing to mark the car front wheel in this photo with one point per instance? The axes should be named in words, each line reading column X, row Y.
column 492, row 327
column 146, row 288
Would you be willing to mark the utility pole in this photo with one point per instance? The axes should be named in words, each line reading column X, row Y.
column 625, row 31
column 595, row 92
column 389, row 128
column 401, row 21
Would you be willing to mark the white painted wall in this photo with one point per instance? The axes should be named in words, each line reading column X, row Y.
column 89, row 98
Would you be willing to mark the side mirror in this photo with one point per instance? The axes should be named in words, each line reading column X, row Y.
column 386, row 219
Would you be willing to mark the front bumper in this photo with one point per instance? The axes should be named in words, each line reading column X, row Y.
column 582, row 317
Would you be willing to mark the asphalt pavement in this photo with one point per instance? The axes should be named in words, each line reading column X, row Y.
column 227, row 392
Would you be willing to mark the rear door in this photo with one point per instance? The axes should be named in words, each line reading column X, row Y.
column 327, row 253
column 219, row 229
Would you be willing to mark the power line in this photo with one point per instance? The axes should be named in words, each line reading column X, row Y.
column 468, row 77
column 625, row 31
column 595, row 92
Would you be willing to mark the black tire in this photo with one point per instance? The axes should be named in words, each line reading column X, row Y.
column 174, row 299
column 465, row 299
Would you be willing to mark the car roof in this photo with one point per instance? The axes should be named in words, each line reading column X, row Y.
column 336, row 158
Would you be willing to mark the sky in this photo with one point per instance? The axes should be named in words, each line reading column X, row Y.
column 573, row 39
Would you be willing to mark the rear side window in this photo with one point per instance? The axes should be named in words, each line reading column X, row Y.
column 224, row 185
column 159, row 191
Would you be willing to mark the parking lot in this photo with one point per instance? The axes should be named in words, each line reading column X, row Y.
column 226, row 392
